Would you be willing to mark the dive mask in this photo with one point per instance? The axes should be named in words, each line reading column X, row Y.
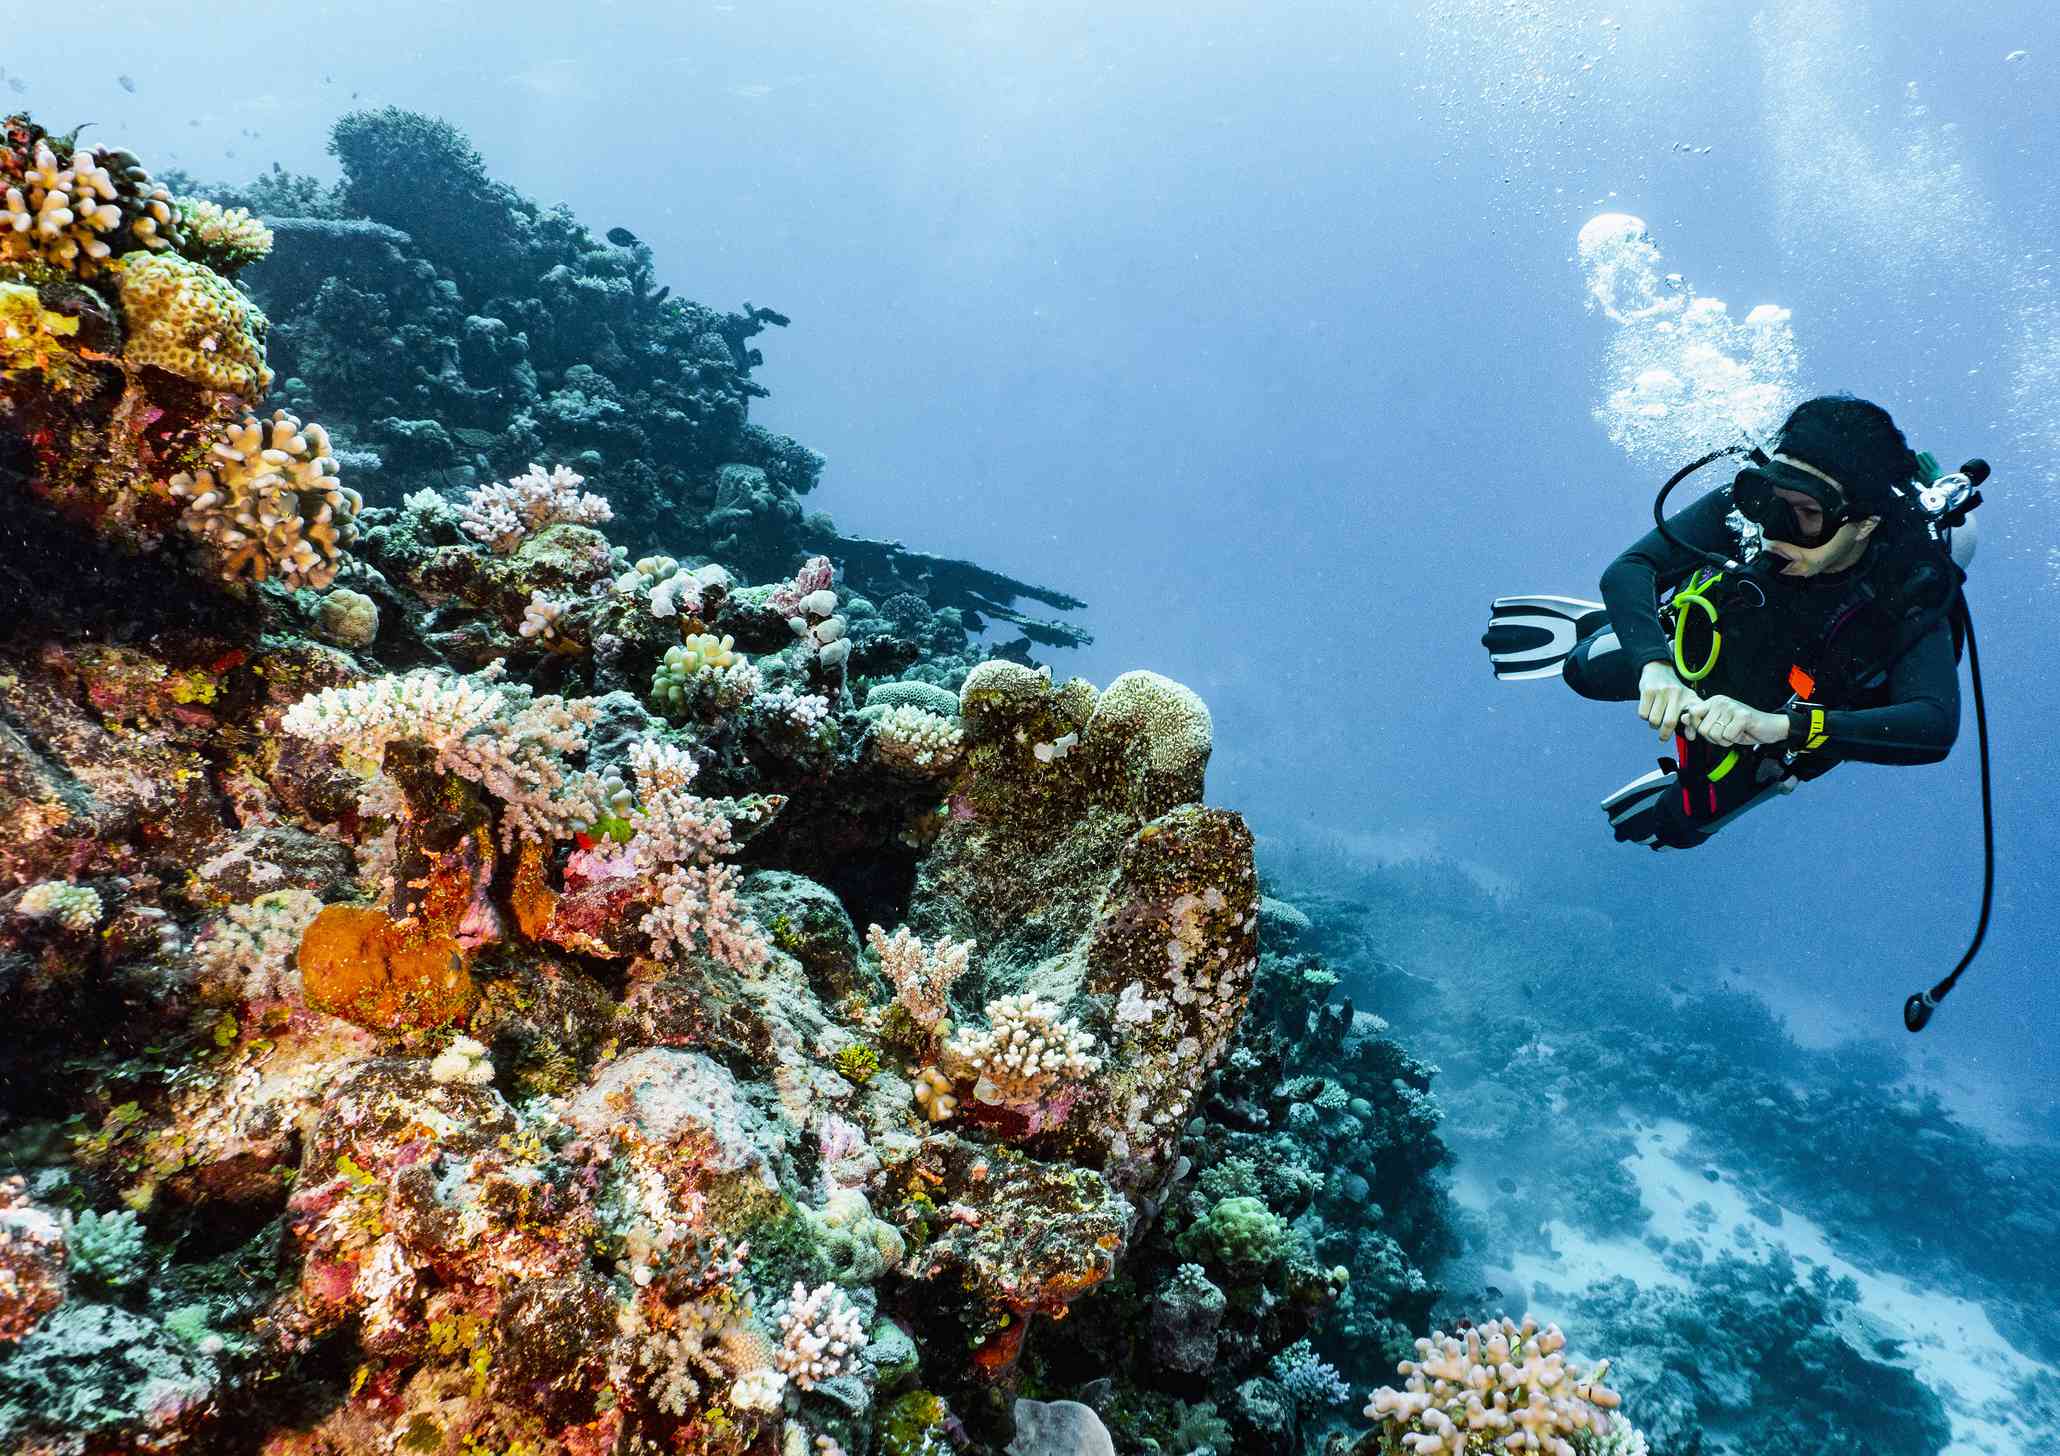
column 1753, row 492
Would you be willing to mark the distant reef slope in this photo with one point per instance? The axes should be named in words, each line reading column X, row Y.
column 453, row 331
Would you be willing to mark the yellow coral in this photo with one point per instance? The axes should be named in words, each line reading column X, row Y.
column 188, row 321
column 31, row 335
column 270, row 502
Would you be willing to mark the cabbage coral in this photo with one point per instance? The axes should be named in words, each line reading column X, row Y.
column 269, row 503
column 1503, row 1387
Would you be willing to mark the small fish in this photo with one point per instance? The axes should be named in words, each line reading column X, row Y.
column 328, row 80
column 18, row 86
column 1491, row 1291
column 128, row 84
column 2017, row 55
column 622, row 237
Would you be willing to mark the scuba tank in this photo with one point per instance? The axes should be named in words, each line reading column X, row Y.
column 1715, row 784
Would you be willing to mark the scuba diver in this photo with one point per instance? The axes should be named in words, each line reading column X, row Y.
column 1807, row 614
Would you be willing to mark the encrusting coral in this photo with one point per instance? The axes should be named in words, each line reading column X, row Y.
column 186, row 320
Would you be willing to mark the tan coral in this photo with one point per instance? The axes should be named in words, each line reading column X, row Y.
column 270, row 502
column 187, row 320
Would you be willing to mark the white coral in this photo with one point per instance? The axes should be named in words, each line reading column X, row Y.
column 821, row 1335
column 504, row 514
column 1512, row 1384
column 514, row 749
column 463, row 1063
column 540, row 617
column 1025, row 1053
column 75, row 907
column 922, row 975
column 919, row 741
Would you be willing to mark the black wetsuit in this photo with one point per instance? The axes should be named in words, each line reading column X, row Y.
column 1910, row 714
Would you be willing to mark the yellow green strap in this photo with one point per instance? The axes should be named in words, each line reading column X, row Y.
column 1695, row 594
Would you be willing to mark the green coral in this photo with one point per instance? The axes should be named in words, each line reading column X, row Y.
column 107, row 1248
column 914, row 1425
column 857, row 1062
column 1242, row 1237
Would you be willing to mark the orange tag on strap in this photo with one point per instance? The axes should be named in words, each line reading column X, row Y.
column 1803, row 685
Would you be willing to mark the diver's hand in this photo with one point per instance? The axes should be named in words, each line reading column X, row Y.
column 1727, row 723
column 1663, row 698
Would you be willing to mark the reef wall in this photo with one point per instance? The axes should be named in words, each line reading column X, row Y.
column 465, row 990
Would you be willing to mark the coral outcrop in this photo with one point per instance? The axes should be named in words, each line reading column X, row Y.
column 435, row 1007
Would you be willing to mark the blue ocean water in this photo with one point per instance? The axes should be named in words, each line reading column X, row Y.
column 1262, row 329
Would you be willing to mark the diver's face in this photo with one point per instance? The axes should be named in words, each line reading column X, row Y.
column 1847, row 544
column 1808, row 515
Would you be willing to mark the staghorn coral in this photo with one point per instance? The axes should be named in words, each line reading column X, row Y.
column 513, row 748
column 503, row 515
column 1507, row 1383
column 185, row 319
column 270, row 503
column 921, row 974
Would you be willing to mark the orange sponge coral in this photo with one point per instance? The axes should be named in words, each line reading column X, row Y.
column 359, row 964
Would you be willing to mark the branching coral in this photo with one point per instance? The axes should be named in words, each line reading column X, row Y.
column 1026, row 1054
column 513, row 748
column 225, row 239
column 187, row 320
column 270, row 502
column 1508, row 1383
column 703, row 673
column 540, row 617
column 681, row 837
column 504, row 514
column 821, row 1335
column 1311, row 1380
column 79, row 215
column 247, row 954
column 75, row 907
column 922, row 975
